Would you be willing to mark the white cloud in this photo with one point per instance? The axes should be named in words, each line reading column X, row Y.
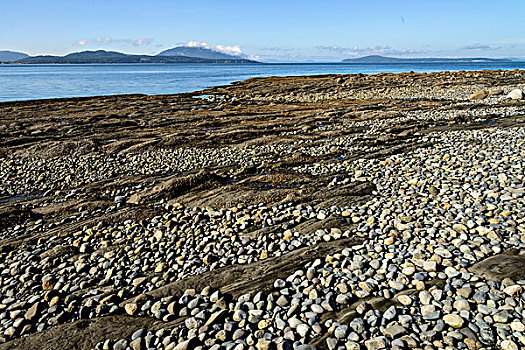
column 108, row 40
column 376, row 50
column 513, row 41
column 145, row 41
column 229, row 50
column 478, row 46
column 102, row 40
column 81, row 42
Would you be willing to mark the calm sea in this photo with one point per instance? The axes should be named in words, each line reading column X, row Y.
column 26, row 82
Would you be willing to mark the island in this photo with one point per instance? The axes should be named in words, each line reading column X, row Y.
column 11, row 56
column 376, row 59
column 110, row 57
column 199, row 52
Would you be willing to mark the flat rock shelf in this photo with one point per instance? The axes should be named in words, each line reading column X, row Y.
column 325, row 212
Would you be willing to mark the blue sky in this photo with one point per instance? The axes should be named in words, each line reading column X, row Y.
column 269, row 30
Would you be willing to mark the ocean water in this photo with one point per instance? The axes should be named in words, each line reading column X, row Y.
column 27, row 82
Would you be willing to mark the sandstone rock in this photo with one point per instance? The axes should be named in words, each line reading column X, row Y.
column 496, row 92
column 394, row 331
column 263, row 344
column 33, row 311
column 479, row 95
column 501, row 266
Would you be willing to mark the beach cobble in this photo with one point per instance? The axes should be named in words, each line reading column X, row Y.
column 439, row 204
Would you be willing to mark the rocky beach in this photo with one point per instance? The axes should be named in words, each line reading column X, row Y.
column 323, row 212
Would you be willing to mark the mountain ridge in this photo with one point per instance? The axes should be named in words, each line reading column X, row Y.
column 198, row 52
column 11, row 56
column 110, row 57
column 383, row 59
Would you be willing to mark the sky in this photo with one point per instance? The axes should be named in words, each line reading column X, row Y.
column 269, row 30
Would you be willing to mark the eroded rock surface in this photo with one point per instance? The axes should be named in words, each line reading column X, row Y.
column 336, row 212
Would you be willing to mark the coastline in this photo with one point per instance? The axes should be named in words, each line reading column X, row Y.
column 364, row 198
column 20, row 82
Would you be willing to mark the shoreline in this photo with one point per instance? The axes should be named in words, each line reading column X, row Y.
column 309, row 212
column 140, row 83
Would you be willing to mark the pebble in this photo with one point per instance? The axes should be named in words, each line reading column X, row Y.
column 508, row 345
column 455, row 321
column 377, row 343
column 436, row 212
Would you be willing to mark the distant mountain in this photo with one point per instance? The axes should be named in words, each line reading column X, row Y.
column 381, row 59
column 199, row 52
column 11, row 56
column 105, row 57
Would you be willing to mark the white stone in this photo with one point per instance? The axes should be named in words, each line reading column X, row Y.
column 430, row 266
column 517, row 326
column 405, row 300
column 508, row 345
column 513, row 290
column 453, row 320
column 302, row 329
column 515, row 94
